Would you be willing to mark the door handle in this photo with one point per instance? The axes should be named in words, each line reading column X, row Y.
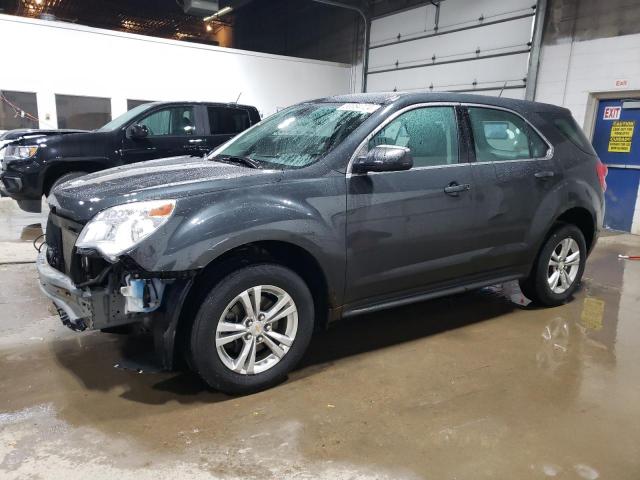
column 196, row 140
column 544, row 174
column 454, row 188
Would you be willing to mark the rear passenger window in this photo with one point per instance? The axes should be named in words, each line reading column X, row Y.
column 431, row 133
column 501, row 135
column 228, row 120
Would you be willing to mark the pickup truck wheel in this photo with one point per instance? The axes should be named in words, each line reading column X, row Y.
column 558, row 269
column 65, row 178
column 252, row 329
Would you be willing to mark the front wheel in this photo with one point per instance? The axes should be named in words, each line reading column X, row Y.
column 252, row 329
column 558, row 268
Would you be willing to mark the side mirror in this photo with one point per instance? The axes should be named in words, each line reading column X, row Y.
column 384, row 158
column 138, row 131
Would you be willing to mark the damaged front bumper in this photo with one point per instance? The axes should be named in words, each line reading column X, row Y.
column 121, row 293
column 73, row 304
column 119, row 300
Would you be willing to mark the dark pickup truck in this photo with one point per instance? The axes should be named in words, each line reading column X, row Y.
column 33, row 165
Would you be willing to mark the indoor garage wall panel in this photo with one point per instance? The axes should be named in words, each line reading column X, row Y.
column 80, row 60
column 487, row 74
column 403, row 44
column 466, row 44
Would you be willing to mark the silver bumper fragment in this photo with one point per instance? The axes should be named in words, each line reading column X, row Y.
column 62, row 291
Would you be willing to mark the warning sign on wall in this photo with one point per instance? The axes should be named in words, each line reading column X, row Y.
column 621, row 133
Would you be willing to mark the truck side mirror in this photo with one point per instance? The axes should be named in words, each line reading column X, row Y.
column 138, row 131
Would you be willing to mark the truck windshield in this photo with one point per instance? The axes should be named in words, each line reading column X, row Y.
column 297, row 136
column 121, row 120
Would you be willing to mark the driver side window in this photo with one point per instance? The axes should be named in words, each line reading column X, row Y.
column 431, row 133
column 173, row 121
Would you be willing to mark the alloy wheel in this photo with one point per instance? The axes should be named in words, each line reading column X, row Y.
column 256, row 329
column 564, row 265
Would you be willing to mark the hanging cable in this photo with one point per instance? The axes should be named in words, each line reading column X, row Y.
column 17, row 110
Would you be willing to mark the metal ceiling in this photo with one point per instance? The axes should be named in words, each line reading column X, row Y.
column 158, row 18
column 288, row 27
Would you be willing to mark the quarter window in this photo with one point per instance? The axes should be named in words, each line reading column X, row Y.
column 225, row 120
column 174, row 121
column 501, row 135
column 431, row 133
column 570, row 129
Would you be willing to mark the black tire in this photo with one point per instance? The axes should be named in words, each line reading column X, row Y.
column 536, row 287
column 204, row 354
column 65, row 178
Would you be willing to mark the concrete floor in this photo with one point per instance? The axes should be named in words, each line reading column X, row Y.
column 476, row 386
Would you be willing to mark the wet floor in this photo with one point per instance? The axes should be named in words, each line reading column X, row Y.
column 476, row 386
column 18, row 230
column 17, row 225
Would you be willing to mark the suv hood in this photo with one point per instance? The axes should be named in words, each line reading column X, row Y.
column 80, row 199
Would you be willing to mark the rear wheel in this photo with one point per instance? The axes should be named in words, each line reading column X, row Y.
column 252, row 329
column 559, row 267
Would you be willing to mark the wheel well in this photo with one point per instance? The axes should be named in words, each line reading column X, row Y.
column 581, row 218
column 289, row 255
column 54, row 172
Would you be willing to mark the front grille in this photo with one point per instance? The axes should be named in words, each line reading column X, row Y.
column 53, row 238
column 61, row 236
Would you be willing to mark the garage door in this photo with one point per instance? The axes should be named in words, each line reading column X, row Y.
column 464, row 46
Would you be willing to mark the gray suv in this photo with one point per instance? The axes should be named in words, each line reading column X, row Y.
column 328, row 209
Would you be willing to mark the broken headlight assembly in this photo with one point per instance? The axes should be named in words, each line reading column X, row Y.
column 117, row 229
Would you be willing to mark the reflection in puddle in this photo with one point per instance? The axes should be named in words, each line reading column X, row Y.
column 31, row 232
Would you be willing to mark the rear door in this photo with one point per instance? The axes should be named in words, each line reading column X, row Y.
column 513, row 170
column 224, row 123
column 173, row 131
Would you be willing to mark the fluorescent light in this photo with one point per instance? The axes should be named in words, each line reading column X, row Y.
column 218, row 14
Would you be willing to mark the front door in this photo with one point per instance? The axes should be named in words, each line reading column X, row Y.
column 616, row 139
column 411, row 229
column 172, row 131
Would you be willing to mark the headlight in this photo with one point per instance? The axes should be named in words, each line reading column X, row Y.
column 115, row 230
column 16, row 152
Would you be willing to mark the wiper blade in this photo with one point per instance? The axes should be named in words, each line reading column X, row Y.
column 246, row 161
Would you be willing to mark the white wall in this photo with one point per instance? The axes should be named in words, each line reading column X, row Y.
column 571, row 71
column 573, row 74
column 490, row 74
column 76, row 60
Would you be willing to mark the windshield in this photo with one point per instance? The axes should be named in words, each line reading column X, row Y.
column 121, row 120
column 297, row 136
